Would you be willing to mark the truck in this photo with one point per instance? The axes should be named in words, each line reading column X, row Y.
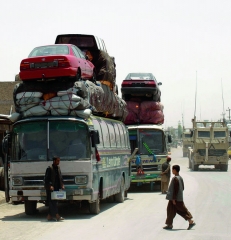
column 186, row 141
column 151, row 141
column 210, row 144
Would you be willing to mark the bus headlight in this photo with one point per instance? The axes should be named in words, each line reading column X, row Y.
column 82, row 179
column 17, row 181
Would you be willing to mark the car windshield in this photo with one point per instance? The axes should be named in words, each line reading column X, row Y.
column 140, row 76
column 151, row 142
column 49, row 50
column 67, row 139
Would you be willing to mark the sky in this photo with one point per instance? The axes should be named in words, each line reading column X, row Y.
column 184, row 43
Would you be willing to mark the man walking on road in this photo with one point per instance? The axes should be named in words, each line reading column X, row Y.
column 175, row 197
column 53, row 182
column 165, row 175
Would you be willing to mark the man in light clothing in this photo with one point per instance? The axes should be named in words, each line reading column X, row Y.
column 165, row 175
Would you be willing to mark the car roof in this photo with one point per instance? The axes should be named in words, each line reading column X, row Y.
column 82, row 41
column 143, row 76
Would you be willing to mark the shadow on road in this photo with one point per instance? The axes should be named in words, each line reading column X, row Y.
column 144, row 188
column 69, row 211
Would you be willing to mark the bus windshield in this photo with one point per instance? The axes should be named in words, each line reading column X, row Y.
column 151, row 142
column 33, row 141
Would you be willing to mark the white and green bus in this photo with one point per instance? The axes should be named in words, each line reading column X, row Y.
column 151, row 141
column 94, row 157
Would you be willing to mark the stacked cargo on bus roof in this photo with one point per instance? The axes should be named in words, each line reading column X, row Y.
column 78, row 81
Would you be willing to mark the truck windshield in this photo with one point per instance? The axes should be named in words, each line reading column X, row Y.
column 203, row 134
column 33, row 141
column 151, row 142
column 218, row 134
column 187, row 135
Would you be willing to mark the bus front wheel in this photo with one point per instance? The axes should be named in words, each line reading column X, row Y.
column 30, row 207
column 94, row 207
column 119, row 197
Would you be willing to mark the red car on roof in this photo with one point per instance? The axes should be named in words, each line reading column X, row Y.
column 56, row 61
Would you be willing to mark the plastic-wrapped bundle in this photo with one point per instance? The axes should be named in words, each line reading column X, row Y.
column 155, row 117
column 96, row 94
column 35, row 111
column 26, row 100
column 148, row 112
column 151, row 106
column 81, row 113
column 69, row 101
column 59, row 111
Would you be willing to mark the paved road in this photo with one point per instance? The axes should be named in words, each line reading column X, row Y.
column 141, row 216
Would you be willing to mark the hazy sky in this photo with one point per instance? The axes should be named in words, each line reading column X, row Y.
column 173, row 39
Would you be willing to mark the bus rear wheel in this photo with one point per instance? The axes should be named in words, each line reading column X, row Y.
column 119, row 197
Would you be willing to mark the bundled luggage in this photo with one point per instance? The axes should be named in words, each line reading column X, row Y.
column 146, row 112
column 79, row 98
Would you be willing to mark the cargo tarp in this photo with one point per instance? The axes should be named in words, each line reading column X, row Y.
column 146, row 112
column 81, row 95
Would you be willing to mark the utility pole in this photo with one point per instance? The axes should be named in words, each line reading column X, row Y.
column 229, row 112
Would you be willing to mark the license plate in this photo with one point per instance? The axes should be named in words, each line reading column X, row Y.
column 78, row 192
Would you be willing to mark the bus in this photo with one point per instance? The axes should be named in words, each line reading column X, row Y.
column 94, row 155
column 151, row 141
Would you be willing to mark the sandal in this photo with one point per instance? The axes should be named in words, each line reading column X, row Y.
column 168, row 227
column 191, row 225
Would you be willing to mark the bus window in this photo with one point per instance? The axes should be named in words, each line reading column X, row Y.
column 105, row 134
column 121, row 135
column 125, row 137
column 112, row 134
column 117, row 132
column 97, row 127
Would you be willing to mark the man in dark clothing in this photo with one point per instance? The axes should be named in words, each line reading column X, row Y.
column 53, row 182
column 165, row 175
column 176, row 203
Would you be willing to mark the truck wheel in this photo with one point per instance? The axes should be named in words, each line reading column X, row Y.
column 119, row 197
column 224, row 167
column 195, row 167
column 94, row 208
column 30, row 207
column 217, row 166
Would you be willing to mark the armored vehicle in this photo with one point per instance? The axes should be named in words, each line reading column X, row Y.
column 210, row 144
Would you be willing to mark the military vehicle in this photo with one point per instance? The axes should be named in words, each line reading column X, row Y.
column 210, row 144
column 186, row 141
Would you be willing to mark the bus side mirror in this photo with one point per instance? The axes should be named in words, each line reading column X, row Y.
column 95, row 137
column 6, row 143
column 169, row 138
